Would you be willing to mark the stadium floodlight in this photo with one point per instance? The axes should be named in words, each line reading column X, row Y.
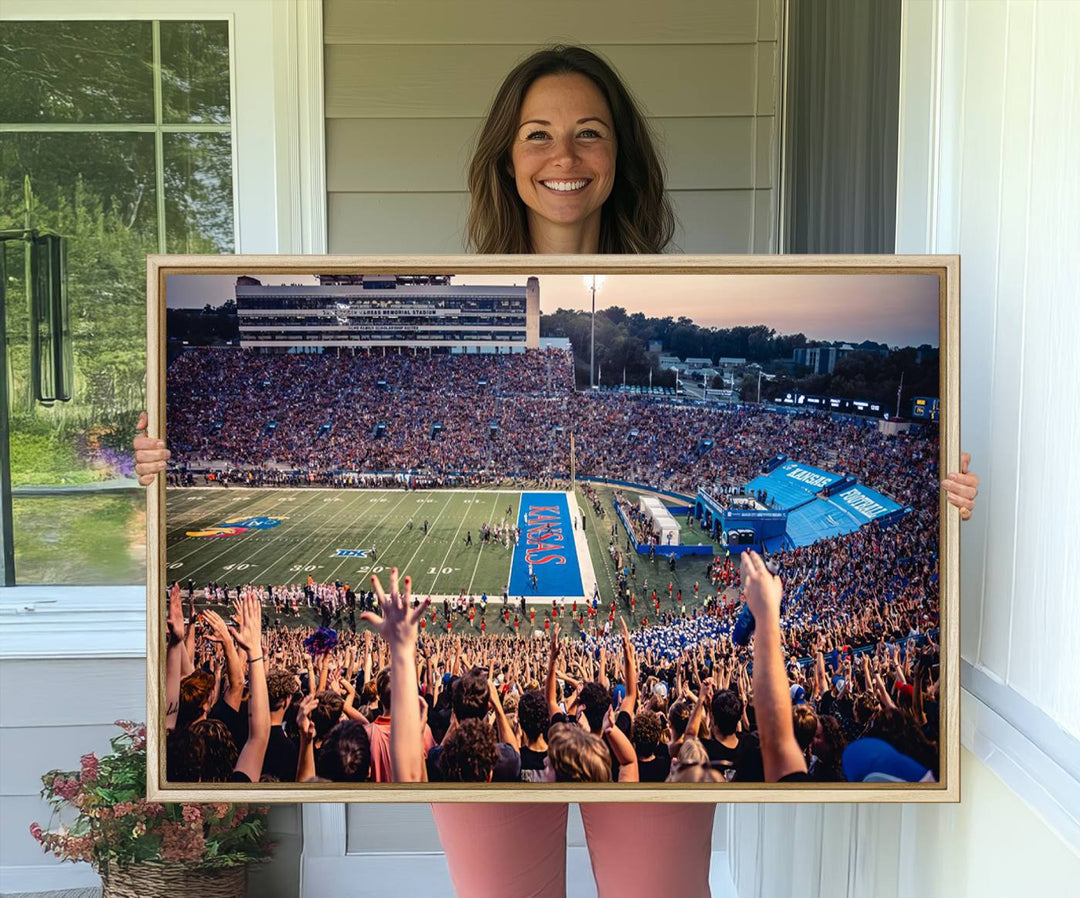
column 594, row 282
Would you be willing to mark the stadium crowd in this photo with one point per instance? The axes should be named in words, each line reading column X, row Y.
column 677, row 699
column 855, row 700
column 293, row 419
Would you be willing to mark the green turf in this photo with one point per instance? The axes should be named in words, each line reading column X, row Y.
column 655, row 574
column 315, row 524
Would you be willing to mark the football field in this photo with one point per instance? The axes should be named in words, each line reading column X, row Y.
column 269, row 536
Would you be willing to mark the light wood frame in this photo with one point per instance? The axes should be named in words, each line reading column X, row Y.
column 945, row 267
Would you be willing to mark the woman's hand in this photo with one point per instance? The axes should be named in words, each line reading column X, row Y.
column 151, row 456
column 962, row 488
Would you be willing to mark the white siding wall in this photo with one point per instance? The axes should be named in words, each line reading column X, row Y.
column 68, row 669
column 1008, row 156
column 989, row 143
column 408, row 83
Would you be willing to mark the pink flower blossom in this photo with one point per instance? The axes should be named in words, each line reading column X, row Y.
column 192, row 814
column 89, row 767
column 65, row 788
column 81, row 848
column 36, row 832
column 181, row 842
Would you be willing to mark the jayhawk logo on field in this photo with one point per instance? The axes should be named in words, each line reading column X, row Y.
column 234, row 526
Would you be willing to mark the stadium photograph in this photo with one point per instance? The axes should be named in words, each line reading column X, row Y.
column 551, row 528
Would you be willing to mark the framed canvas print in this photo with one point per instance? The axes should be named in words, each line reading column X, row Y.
column 535, row 528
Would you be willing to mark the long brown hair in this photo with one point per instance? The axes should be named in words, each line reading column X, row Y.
column 637, row 216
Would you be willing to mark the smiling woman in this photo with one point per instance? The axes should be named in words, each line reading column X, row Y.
column 565, row 164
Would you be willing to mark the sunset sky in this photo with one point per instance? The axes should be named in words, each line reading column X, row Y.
column 898, row 309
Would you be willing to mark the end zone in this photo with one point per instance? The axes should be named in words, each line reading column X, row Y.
column 549, row 560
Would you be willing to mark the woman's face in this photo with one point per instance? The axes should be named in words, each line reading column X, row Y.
column 563, row 156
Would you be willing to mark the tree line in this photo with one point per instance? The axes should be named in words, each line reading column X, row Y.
column 623, row 343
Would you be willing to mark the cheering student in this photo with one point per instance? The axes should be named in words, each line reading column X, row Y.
column 565, row 164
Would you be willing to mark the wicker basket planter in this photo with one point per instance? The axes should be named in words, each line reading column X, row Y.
column 159, row 880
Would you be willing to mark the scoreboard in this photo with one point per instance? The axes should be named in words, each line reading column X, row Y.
column 924, row 407
column 830, row 403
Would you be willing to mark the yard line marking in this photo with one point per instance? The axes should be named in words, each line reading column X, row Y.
column 198, row 543
column 449, row 547
column 260, row 504
column 332, row 575
column 226, row 508
column 370, row 533
column 229, row 545
column 233, row 543
column 421, row 544
column 190, row 512
column 268, row 500
column 374, row 530
column 300, row 574
column 481, row 552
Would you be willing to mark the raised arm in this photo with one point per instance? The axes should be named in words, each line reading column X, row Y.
column 693, row 726
column 883, row 693
column 456, row 669
column 398, row 626
column 367, row 655
column 249, row 637
column 189, row 636
column 780, row 752
column 629, row 703
column 623, row 749
column 820, row 678
column 549, row 683
column 305, row 767
column 324, row 672
column 174, row 654
column 349, row 708
column 234, row 666
column 502, row 722
column 312, row 682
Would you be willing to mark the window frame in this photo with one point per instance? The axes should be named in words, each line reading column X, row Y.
column 279, row 206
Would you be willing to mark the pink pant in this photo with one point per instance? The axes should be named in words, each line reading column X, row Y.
column 518, row 850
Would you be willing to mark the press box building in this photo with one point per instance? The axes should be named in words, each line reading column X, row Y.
column 388, row 311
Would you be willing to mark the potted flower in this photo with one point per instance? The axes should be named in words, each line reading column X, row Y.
column 142, row 847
